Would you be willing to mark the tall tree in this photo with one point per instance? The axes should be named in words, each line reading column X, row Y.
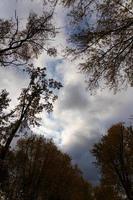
column 114, row 156
column 101, row 32
column 19, row 43
column 37, row 96
column 38, row 170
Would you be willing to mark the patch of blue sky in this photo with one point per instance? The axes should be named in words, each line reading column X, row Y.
column 53, row 71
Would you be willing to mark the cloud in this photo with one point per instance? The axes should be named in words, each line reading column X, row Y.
column 13, row 80
column 83, row 118
column 74, row 97
column 79, row 119
column 21, row 7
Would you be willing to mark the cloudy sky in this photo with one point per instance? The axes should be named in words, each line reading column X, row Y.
column 79, row 119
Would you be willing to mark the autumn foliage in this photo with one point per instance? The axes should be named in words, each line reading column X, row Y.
column 36, row 169
column 114, row 155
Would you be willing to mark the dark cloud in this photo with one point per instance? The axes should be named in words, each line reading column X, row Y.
column 86, row 118
column 80, row 151
column 74, row 97
column 79, row 119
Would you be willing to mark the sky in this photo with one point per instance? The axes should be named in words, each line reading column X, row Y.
column 79, row 119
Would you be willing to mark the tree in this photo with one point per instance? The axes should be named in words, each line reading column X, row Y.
column 101, row 33
column 20, row 42
column 103, row 192
column 18, row 46
column 33, row 99
column 38, row 170
column 114, row 157
column 68, row 3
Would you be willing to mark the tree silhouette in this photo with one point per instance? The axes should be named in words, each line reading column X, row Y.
column 38, row 96
column 20, row 42
column 101, row 33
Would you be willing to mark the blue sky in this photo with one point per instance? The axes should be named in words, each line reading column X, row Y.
column 79, row 119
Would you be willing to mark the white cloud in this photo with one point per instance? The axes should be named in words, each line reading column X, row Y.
column 78, row 119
